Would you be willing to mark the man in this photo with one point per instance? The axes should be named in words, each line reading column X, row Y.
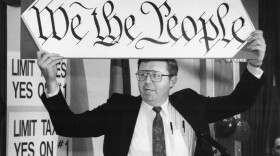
column 153, row 124
column 276, row 147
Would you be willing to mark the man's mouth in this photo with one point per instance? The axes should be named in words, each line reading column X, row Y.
column 148, row 90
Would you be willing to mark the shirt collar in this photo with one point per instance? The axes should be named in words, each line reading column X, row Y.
column 148, row 108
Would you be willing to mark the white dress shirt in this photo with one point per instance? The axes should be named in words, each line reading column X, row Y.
column 179, row 140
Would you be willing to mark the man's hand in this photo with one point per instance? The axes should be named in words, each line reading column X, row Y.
column 256, row 44
column 47, row 63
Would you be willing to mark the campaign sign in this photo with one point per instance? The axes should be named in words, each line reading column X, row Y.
column 25, row 82
column 32, row 134
column 139, row 28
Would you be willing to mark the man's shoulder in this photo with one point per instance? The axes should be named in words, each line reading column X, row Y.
column 184, row 92
column 121, row 101
column 117, row 97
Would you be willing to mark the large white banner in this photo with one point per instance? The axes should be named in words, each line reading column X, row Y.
column 139, row 28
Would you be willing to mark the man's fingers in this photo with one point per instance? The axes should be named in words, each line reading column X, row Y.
column 40, row 54
column 55, row 62
column 44, row 56
column 253, row 38
column 257, row 48
column 48, row 55
column 52, row 58
column 256, row 37
column 48, row 60
column 255, row 43
column 259, row 32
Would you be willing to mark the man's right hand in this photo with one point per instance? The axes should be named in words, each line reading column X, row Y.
column 47, row 63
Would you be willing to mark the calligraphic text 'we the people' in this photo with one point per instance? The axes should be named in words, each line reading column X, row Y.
column 130, row 29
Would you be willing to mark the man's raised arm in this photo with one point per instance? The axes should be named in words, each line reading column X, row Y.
column 47, row 63
column 256, row 44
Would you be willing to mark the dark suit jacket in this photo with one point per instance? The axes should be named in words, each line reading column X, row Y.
column 117, row 117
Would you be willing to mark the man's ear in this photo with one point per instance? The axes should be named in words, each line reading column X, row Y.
column 173, row 81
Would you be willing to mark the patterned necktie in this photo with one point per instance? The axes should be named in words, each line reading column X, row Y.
column 158, row 135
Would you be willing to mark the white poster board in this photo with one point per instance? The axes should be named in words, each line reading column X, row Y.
column 33, row 134
column 29, row 128
column 139, row 29
column 25, row 83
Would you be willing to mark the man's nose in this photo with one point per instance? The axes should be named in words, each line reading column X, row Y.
column 148, row 78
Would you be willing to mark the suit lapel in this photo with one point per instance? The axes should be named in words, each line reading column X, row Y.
column 190, row 109
column 128, row 121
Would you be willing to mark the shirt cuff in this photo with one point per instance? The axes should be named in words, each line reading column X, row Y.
column 52, row 94
column 257, row 72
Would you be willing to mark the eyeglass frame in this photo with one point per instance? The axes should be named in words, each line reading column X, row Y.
column 149, row 73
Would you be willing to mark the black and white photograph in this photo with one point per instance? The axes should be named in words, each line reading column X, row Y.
column 139, row 78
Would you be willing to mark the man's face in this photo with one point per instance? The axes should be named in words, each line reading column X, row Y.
column 276, row 149
column 155, row 93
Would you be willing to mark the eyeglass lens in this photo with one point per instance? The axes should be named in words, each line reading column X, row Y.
column 154, row 75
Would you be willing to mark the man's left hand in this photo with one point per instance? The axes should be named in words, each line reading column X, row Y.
column 256, row 44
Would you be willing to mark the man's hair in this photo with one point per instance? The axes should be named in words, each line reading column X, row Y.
column 171, row 63
column 277, row 137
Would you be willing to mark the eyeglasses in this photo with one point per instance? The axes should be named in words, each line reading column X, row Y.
column 155, row 76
